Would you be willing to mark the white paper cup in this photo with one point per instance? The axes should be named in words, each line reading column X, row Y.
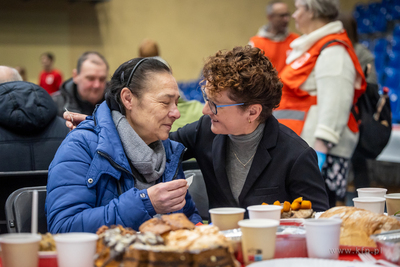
column 226, row 218
column 374, row 204
column 20, row 249
column 371, row 192
column 258, row 239
column 265, row 212
column 322, row 238
column 392, row 203
column 75, row 249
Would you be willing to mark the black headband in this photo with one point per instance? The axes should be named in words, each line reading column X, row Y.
column 133, row 71
column 112, row 100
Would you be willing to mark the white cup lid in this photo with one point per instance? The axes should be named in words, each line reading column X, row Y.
column 258, row 223
column 227, row 210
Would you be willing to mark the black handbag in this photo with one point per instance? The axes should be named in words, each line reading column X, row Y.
column 374, row 132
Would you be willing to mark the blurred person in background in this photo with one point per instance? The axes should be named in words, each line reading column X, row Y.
column 119, row 166
column 274, row 38
column 332, row 76
column 245, row 155
column 22, row 71
column 190, row 110
column 30, row 130
column 85, row 89
column 367, row 62
column 50, row 79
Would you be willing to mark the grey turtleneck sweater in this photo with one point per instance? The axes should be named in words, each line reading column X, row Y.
column 245, row 147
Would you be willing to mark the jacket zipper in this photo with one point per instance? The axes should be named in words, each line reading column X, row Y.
column 179, row 163
column 115, row 165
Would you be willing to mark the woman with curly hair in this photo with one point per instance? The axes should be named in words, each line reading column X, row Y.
column 245, row 155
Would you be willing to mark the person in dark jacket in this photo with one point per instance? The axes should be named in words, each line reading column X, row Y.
column 30, row 130
column 119, row 167
column 245, row 155
column 85, row 89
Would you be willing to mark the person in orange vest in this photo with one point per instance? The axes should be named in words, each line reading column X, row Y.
column 274, row 38
column 322, row 81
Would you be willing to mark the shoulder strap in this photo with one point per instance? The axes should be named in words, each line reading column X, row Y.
column 331, row 42
column 354, row 108
column 345, row 44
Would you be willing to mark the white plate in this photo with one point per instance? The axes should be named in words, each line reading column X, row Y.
column 47, row 254
column 307, row 262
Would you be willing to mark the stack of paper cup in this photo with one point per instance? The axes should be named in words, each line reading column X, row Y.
column 371, row 198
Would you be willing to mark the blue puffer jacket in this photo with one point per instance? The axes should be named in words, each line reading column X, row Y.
column 90, row 181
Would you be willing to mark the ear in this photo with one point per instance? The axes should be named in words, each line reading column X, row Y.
column 254, row 111
column 127, row 98
column 75, row 75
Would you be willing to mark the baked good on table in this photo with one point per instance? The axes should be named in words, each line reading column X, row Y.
column 299, row 208
column 154, row 246
column 47, row 243
column 167, row 223
column 359, row 224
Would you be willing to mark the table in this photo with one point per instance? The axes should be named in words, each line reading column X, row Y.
column 44, row 262
column 52, row 262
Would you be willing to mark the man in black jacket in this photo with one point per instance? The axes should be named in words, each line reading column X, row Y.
column 85, row 89
column 30, row 131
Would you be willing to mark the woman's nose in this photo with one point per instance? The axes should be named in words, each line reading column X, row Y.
column 206, row 109
column 175, row 113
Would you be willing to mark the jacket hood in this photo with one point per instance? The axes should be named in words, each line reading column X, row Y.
column 25, row 108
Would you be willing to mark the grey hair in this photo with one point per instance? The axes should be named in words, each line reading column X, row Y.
column 270, row 7
column 8, row 74
column 323, row 9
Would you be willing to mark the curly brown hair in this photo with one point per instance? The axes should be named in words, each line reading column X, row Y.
column 248, row 76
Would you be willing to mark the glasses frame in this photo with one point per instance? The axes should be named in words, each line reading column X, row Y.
column 211, row 103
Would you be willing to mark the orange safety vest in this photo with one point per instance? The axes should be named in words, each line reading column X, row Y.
column 275, row 51
column 295, row 102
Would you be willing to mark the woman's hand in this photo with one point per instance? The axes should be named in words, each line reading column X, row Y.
column 168, row 197
column 321, row 149
column 73, row 119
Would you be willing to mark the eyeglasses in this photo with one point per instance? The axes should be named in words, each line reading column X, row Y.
column 214, row 106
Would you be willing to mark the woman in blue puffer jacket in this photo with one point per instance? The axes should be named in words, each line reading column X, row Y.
column 118, row 166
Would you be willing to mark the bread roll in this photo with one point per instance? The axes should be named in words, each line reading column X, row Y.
column 359, row 224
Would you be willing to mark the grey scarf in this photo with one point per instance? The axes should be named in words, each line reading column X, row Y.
column 148, row 160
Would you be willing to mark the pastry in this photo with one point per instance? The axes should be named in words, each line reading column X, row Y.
column 359, row 224
column 157, row 245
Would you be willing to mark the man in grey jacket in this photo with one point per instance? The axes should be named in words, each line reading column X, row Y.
column 85, row 89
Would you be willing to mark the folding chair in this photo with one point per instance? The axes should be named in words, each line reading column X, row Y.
column 11, row 181
column 198, row 192
column 19, row 210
